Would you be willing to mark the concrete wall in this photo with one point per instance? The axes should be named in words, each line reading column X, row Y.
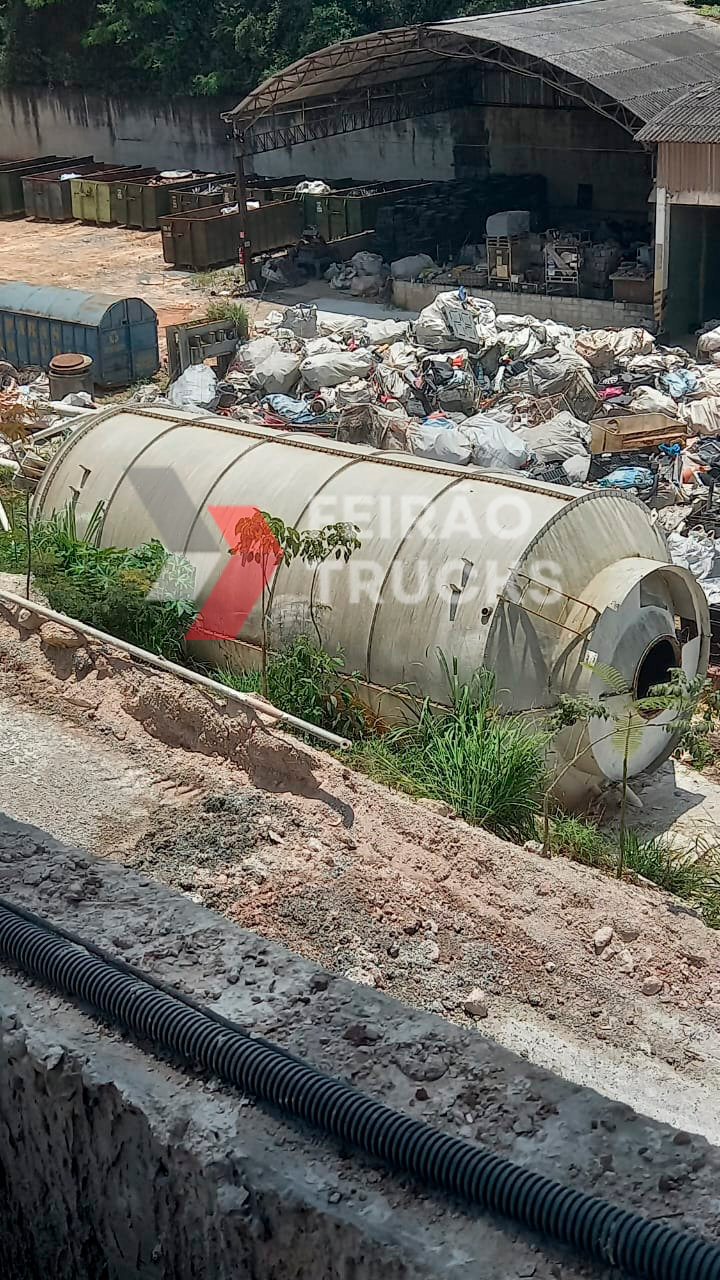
column 571, row 146
column 188, row 133
column 578, row 312
column 170, row 133
column 114, row 1164
column 420, row 149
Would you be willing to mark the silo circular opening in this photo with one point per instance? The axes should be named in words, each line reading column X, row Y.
column 655, row 667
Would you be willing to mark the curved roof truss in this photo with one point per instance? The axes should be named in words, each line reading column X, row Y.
column 625, row 59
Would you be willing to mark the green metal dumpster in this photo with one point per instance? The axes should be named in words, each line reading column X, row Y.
column 141, row 204
column 349, row 212
column 275, row 225
column 91, row 195
column 327, row 213
column 49, row 196
column 213, row 191
column 201, row 240
column 12, row 174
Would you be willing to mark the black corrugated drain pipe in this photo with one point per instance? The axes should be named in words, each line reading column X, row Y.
column 152, row 1012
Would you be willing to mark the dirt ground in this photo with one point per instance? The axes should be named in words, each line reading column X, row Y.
column 288, row 842
column 130, row 263
column 99, row 260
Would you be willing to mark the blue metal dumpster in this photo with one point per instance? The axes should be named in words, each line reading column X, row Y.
column 38, row 322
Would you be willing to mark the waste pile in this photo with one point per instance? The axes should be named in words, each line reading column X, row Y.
column 489, row 234
column 609, row 260
column 31, row 425
column 467, row 385
column 439, row 218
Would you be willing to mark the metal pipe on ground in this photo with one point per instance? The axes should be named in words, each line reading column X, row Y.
column 188, row 1032
column 174, row 668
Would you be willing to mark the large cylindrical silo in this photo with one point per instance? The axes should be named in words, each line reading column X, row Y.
column 535, row 582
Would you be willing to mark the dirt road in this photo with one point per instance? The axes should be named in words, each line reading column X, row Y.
column 289, row 843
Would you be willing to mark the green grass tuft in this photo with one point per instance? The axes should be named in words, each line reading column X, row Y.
column 224, row 309
column 582, row 841
column 488, row 767
column 108, row 587
column 693, row 875
column 13, row 544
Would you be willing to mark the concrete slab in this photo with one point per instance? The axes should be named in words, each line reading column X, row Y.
column 117, row 1164
column 315, row 293
column 680, row 803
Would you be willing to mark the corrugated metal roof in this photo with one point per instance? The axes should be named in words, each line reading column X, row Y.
column 693, row 118
column 628, row 49
column 56, row 303
column 640, row 53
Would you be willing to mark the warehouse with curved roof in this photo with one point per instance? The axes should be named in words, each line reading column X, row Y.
column 625, row 58
column 561, row 91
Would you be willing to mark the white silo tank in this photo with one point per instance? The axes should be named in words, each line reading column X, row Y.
column 533, row 581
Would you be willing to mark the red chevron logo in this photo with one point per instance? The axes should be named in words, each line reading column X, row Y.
column 254, row 556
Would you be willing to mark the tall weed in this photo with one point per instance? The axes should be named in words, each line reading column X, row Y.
column 309, row 683
column 489, row 767
column 693, row 874
column 13, row 542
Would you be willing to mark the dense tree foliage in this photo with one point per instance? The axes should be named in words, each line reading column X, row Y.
column 181, row 46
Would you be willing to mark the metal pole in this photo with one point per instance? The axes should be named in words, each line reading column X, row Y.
column 241, row 195
column 173, row 668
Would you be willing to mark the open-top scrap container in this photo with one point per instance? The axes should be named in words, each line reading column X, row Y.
column 49, row 195
column 91, row 194
column 142, row 202
column 204, row 194
column 201, row 240
column 348, row 212
column 11, row 180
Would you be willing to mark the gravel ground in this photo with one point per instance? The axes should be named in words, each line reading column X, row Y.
column 287, row 842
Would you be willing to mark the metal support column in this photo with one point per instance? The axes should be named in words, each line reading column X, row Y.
column 241, row 197
column 662, row 255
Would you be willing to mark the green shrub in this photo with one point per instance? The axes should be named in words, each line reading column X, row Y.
column 108, row 587
column 696, row 742
column 308, row 683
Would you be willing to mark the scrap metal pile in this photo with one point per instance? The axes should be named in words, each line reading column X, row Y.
column 32, row 425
